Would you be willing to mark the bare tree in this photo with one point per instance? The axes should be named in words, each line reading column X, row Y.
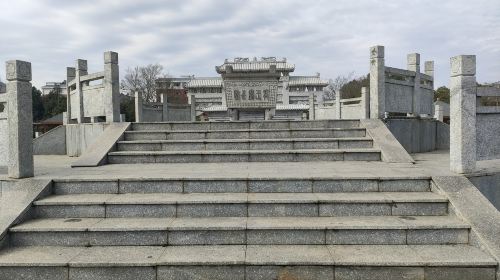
column 143, row 80
column 334, row 86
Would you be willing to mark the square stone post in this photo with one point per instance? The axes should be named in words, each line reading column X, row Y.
column 439, row 112
column 164, row 100
column 81, row 70
column 365, row 103
column 20, row 119
column 413, row 60
column 233, row 114
column 312, row 109
column 269, row 114
column 377, row 82
column 70, row 76
column 138, row 107
column 463, row 114
column 338, row 105
column 193, row 108
column 429, row 68
column 111, row 87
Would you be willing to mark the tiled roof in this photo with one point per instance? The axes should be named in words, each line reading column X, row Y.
column 256, row 66
column 205, row 82
column 282, row 107
column 306, row 81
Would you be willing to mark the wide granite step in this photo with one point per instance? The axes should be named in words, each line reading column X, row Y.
column 246, row 144
column 125, row 157
column 244, row 134
column 246, row 125
column 410, row 230
column 241, row 205
column 241, row 185
column 458, row 262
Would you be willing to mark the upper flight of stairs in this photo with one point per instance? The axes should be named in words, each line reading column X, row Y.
column 243, row 229
column 265, row 141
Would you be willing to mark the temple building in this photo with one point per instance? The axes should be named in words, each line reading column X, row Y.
column 254, row 89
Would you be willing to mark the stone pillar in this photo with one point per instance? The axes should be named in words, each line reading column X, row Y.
column 138, row 107
column 463, row 114
column 233, row 114
column 111, row 87
column 81, row 70
column 365, row 103
column 164, row 100
column 269, row 114
column 338, row 105
column 429, row 68
column 312, row 109
column 439, row 112
column 193, row 108
column 413, row 60
column 70, row 76
column 377, row 82
column 20, row 119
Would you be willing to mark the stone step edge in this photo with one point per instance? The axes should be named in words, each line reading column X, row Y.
column 235, row 198
column 251, row 255
column 235, row 224
column 260, row 179
column 244, row 130
column 245, row 152
column 253, row 122
column 236, row 140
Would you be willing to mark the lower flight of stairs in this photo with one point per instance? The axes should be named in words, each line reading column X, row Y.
column 243, row 229
column 264, row 141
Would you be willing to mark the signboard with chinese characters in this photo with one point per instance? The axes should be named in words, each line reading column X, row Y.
column 251, row 94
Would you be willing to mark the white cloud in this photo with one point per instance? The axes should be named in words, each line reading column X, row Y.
column 192, row 36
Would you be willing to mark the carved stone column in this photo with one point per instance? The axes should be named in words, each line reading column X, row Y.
column 463, row 114
column 377, row 82
column 20, row 119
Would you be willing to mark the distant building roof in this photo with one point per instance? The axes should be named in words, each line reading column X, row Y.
column 262, row 65
column 205, row 82
column 306, row 81
column 279, row 107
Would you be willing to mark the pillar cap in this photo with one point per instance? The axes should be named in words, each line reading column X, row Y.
column 463, row 65
column 110, row 57
column 377, row 52
column 18, row 70
column 81, row 64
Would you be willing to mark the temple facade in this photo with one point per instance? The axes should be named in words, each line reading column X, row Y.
column 253, row 89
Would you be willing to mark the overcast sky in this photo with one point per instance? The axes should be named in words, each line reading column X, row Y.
column 192, row 36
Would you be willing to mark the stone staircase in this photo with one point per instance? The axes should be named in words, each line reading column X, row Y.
column 271, row 141
column 243, row 228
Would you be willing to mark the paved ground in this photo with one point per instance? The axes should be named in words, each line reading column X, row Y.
column 427, row 164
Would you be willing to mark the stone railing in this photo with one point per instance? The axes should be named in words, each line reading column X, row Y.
column 394, row 90
column 96, row 102
column 16, row 121
column 475, row 117
column 348, row 108
column 163, row 111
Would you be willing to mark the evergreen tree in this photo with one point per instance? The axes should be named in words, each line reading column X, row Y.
column 443, row 94
column 54, row 103
column 38, row 109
